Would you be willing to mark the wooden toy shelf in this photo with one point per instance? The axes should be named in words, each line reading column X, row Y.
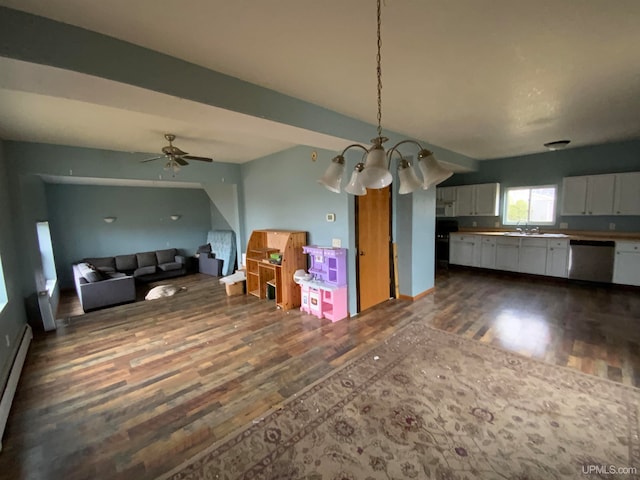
column 260, row 271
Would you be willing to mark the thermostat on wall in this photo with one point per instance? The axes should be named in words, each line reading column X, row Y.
column 331, row 217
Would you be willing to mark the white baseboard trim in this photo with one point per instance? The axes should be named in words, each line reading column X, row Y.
column 12, row 383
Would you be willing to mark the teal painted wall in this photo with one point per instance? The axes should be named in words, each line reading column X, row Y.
column 415, row 238
column 27, row 161
column 281, row 191
column 13, row 318
column 78, row 230
column 549, row 168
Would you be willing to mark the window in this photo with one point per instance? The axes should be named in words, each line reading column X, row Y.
column 530, row 205
column 3, row 289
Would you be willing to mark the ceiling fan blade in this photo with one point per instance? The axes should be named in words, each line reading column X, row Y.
column 181, row 161
column 151, row 159
column 202, row 159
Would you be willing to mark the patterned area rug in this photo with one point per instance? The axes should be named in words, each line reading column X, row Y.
column 427, row 404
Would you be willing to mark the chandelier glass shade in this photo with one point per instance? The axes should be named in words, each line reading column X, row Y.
column 375, row 172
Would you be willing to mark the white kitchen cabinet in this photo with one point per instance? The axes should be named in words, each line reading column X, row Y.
column 626, row 266
column 588, row 195
column 464, row 249
column 533, row 256
column 507, row 254
column 478, row 200
column 487, row 252
column 464, row 201
column 557, row 258
column 446, row 194
column 626, row 199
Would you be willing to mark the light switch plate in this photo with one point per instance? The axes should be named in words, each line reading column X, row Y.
column 331, row 217
column 564, row 225
column 336, row 243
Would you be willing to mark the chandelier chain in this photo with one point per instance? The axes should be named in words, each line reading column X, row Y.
column 379, row 72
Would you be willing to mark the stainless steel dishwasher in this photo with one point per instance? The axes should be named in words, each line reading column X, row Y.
column 591, row 260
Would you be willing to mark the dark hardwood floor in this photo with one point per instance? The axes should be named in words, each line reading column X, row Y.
column 132, row 391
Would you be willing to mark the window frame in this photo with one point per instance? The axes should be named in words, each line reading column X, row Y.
column 528, row 222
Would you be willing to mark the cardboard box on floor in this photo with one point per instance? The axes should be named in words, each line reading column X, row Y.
column 235, row 283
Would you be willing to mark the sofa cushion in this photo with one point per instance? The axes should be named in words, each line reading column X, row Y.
column 148, row 270
column 166, row 267
column 102, row 263
column 147, row 259
column 126, row 263
column 90, row 273
column 166, row 256
column 115, row 275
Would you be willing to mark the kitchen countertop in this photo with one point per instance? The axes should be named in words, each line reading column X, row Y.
column 570, row 234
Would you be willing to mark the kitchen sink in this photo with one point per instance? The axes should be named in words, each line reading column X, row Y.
column 536, row 235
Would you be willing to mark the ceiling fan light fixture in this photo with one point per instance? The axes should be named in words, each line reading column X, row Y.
column 375, row 173
column 557, row 145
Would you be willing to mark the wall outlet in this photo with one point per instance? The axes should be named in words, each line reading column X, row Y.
column 474, row 224
column 564, row 225
column 612, row 226
column 336, row 242
column 8, row 340
column 497, row 224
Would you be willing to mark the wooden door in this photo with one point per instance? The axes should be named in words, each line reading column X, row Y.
column 373, row 225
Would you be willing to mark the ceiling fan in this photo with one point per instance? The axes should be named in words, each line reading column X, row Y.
column 175, row 157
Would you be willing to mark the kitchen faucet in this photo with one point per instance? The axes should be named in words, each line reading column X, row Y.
column 526, row 230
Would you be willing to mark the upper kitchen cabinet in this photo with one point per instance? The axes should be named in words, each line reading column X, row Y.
column 588, row 195
column 610, row 194
column 446, row 194
column 478, row 200
column 626, row 200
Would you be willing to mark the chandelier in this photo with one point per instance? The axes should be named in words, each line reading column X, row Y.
column 374, row 170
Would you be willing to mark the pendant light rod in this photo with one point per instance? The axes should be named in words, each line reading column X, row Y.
column 374, row 172
column 379, row 69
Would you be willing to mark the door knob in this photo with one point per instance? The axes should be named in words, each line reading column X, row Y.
column 361, row 253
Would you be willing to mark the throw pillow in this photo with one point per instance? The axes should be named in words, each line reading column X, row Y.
column 90, row 273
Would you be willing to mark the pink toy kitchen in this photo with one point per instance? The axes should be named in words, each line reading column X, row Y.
column 324, row 288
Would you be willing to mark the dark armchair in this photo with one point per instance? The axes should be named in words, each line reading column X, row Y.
column 207, row 261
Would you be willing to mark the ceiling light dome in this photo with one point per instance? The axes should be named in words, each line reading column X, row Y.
column 557, row 145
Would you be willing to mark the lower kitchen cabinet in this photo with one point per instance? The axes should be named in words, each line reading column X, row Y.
column 558, row 258
column 533, row 256
column 507, row 254
column 487, row 252
column 626, row 267
column 464, row 250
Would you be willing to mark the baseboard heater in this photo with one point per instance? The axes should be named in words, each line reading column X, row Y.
column 12, row 382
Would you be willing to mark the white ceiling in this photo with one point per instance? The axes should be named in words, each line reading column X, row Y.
column 485, row 78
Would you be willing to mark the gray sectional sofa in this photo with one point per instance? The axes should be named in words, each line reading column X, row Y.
column 107, row 281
